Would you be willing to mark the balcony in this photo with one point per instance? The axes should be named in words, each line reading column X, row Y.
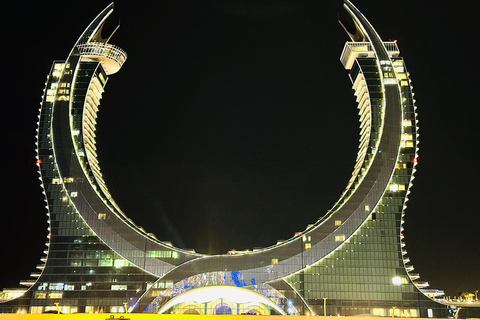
column 111, row 57
column 414, row 276
column 27, row 283
column 421, row 285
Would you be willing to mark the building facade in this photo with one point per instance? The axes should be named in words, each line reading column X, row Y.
column 351, row 261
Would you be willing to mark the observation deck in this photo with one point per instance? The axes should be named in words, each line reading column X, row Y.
column 111, row 57
column 352, row 50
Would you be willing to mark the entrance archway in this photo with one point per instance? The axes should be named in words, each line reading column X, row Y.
column 221, row 300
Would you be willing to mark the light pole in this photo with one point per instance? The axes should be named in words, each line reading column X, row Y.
column 324, row 307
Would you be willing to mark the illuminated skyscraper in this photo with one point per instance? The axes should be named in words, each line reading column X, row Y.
column 351, row 261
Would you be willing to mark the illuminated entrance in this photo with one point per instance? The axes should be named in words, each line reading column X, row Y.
column 221, row 300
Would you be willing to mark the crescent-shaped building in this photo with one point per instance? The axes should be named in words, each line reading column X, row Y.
column 351, row 261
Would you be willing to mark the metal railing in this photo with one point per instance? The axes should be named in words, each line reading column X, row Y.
column 367, row 46
column 105, row 50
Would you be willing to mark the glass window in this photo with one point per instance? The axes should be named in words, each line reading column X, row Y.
column 118, row 287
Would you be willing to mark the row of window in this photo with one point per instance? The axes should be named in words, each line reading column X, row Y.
column 43, row 294
column 354, row 295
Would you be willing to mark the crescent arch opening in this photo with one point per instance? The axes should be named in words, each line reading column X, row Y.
column 306, row 157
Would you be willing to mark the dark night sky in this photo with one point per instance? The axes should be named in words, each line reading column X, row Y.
column 233, row 124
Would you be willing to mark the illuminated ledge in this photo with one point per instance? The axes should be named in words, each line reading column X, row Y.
column 27, row 283
column 111, row 57
column 352, row 50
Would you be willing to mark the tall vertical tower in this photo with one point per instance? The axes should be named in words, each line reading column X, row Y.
column 78, row 266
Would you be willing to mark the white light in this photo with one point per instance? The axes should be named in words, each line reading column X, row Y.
column 397, row 281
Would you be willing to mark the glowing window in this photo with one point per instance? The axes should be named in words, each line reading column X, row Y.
column 407, row 123
column 407, row 144
column 105, row 263
column 76, row 263
column 308, row 245
column 43, row 286
column 118, row 287
column 69, row 287
column 338, row 222
column 399, row 280
column 37, row 310
column 379, row 312
column 102, row 216
column 102, row 78
column 389, row 80
column 340, row 237
column 396, row 187
column 118, row 263
column 55, row 295
column 389, row 74
column 55, row 286
column 40, row 295
column 162, row 254
column 274, row 261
